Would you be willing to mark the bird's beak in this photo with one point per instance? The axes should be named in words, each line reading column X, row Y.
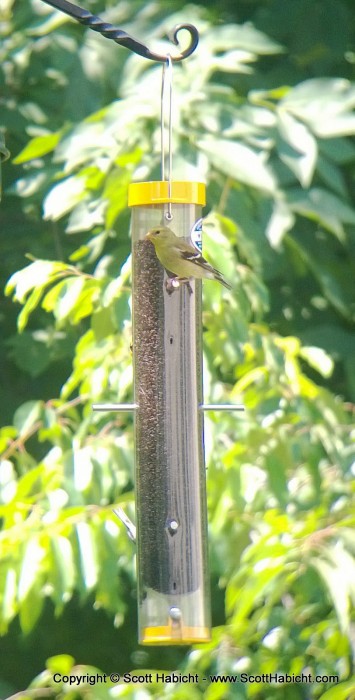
column 148, row 235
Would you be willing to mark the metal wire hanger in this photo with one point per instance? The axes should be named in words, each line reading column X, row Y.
column 167, row 91
column 120, row 37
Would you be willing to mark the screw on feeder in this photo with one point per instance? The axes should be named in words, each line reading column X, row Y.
column 172, row 526
column 175, row 613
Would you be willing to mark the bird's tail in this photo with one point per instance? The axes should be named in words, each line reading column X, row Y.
column 220, row 278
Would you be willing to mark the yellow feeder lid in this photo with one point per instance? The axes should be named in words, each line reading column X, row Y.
column 157, row 192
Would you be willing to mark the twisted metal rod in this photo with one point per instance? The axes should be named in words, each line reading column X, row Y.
column 121, row 37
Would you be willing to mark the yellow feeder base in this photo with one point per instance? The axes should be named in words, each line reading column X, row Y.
column 175, row 634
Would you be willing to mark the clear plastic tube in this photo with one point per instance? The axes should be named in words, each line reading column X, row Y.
column 173, row 584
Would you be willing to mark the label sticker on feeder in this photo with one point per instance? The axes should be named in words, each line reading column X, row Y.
column 196, row 234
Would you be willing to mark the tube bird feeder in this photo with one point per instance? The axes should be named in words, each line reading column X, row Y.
column 171, row 509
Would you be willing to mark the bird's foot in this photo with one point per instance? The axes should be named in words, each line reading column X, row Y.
column 173, row 283
column 188, row 285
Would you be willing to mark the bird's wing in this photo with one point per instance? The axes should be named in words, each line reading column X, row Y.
column 181, row 245
column 194, row 256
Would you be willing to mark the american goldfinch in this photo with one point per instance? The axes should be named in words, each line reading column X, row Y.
column 181, row 259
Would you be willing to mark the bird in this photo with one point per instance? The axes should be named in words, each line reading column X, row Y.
column 180, row 259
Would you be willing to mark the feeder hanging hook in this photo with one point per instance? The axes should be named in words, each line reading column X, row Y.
column 120, row 37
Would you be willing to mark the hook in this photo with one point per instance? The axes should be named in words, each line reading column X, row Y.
column 120, row 37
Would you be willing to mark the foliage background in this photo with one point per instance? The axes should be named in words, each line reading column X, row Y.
column 265, row 112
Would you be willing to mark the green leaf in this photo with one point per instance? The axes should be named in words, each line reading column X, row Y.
column 319, row 359
column 278, row 463
column 331, row 287
column 280, row 222
column 240, row 162
column 27, row 415
column 334, row 581
column 341, row 691
column 344, row 562
column 241, row 599
column 39, row 146
column 34, row 351
column 109, row 593
column 38, row 274
column 102, row 323
column 338, row 150
column 8, row 481
column 9, row 599
column 33, row 557
column 61, row 663
column 332, row 176
column 88, row 555
column 86, row 302
column 326, row 104
column 7, row 435
column 30, row 305
column 115, row 192
column 50, row 299
column 322, row 206
column 64, row 197
column 85, row 216
column 69, row 296
column 72, row 298
column 31, row 608
column 29, row 483
column 62, row 574
column 301, row 156
column 242, row 36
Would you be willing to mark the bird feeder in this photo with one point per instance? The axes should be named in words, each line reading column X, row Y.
column 170, row 475
column 171, row 511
